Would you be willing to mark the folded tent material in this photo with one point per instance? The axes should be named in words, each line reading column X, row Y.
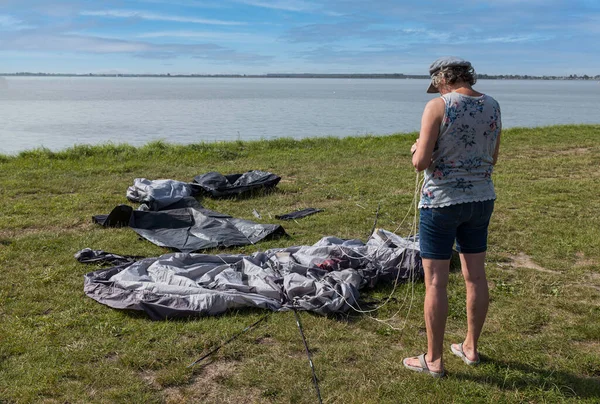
column 298, row 214
column 219, row 185
column 187, row 226
column 323, row 278
column 158, row 194
column 89, row 256
column 170, row 217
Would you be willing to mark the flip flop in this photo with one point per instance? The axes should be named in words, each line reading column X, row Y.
column 460, row 353
column 423, row 368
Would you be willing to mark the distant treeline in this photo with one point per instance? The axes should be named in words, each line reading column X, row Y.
column 312, row 75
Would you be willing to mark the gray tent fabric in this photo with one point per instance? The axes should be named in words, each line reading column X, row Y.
column 120, row 216
column 89, row 256
column 219, row 185
column 323, row 278
column 158, row 194
column 194, row 229
column 189, row 227
column 298, row 214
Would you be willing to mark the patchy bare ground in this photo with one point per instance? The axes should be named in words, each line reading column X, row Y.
column 266, row 340
column 583, row 261
column 589, row 346
column 585, row 286
column 290, row 179
column 207, row 386
column 575, row 151
column 522, row 260
column 594, row 282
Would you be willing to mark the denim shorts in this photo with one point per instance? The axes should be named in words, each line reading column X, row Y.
column 467, row 223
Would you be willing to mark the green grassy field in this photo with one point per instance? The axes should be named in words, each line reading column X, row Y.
column 541, row 342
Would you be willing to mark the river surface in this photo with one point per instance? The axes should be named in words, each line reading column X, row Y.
column 59, row 112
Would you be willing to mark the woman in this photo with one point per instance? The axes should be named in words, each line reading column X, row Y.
column 458, row 148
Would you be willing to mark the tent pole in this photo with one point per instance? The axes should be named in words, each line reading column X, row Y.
column 312, row 366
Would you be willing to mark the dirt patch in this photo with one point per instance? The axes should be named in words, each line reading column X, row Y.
column 8, row 234
column 595, row 276
column 288, row 180
column 575, row 151
column 594, row 281
column 505, row 266
column 150, row 378
column 582, row 261
column 266, row 340
column 589, row 346
column 208, row 386
column 585, row 286
column 522, row 260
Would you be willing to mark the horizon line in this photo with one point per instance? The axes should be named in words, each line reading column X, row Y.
column 283, row 75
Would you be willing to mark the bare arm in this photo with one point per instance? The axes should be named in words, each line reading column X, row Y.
column 430, row 130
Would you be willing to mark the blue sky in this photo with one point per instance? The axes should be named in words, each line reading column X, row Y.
column 536, row 37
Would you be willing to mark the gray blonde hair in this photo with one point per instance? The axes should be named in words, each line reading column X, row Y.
column 454, row 74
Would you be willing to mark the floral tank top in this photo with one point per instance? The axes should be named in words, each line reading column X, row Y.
column 461, row 168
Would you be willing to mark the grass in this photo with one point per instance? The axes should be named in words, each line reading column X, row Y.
column 540, row 343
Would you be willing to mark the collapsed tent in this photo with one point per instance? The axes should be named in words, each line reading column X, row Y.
column 158, row 194
column 219, row 185
column 187, row 226
column 324, row 278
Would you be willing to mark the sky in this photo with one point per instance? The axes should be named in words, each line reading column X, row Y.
column 534, row 37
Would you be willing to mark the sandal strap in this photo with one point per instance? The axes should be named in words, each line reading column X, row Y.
column 423, row 362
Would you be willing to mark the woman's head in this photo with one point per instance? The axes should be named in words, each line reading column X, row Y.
column 449, row 70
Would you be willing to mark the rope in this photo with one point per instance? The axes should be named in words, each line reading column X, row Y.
column 412, row 276
column 412, row 271
column 215, row 350
column 413, row 230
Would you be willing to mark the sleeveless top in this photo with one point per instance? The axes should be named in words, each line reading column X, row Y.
column 461, row 168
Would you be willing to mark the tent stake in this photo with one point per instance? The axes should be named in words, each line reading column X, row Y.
column 376, row 218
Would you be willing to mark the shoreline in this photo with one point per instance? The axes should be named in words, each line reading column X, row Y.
column 102, row 148
column 395, row 76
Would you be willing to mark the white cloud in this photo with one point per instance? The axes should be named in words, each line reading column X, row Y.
column 82, row 44
column 211, row 35
column 156, row 17
column 286, row 5
column 10, row 23
column 516, row 38
column 185, row 3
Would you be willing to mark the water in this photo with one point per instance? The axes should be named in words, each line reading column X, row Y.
column 59, row 112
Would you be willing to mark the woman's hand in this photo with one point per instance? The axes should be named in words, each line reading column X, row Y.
column 413, row 148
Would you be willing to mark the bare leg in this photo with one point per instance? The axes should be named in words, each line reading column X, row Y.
column 436, row 311
column 473, row 269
